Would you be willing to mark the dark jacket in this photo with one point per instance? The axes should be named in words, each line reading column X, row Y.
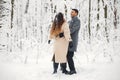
column 74, row 26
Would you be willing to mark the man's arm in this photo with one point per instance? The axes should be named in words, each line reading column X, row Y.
column 75, row 26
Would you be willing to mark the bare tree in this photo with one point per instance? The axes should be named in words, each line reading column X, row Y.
column 89, row 19
column 12, row 12
column 27, row 5
column 115, row 14
column 2, row 10
column 98, row 8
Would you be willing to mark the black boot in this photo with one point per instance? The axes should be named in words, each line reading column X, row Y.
column 72, row 72
column 63, row 65
column 55, row 71
column 55, row 65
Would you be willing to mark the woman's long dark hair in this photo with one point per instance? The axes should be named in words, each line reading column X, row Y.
column 57, row 24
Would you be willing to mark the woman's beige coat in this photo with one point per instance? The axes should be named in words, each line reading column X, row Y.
column 61, row 44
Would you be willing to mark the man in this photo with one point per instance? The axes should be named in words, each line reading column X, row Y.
column 74, row 25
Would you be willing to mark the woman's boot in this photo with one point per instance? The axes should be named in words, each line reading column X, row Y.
column 55, row 66
column 63, row 65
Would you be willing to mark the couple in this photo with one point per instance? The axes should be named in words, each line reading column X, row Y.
column 65, row 41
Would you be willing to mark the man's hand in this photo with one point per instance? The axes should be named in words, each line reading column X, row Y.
column 71, row 44
column 49, row 41
column 61, row 35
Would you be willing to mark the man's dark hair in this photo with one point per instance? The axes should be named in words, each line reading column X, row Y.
column 75, row 10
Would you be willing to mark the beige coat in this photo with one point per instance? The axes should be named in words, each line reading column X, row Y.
column 61, row 44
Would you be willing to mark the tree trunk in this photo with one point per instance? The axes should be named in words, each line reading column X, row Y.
column 115, row 15
column 89, row 19
column 12, row 12
column 27, row 5
column 98, row 15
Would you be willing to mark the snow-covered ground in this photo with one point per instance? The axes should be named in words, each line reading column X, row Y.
column 13, row 70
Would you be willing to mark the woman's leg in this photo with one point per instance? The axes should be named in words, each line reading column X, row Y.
column 63, row 65
column 55, row 65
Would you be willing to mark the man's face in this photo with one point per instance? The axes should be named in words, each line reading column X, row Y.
column 73, row 13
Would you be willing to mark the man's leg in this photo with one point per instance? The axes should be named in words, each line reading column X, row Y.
column 71, row 62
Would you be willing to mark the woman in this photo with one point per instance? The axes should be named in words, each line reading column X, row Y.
column 60, row 27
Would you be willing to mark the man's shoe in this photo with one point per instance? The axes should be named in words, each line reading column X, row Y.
column 72, row 72
column 65, row 72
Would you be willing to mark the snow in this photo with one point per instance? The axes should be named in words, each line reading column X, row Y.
column 43, row 71
column 14, row 67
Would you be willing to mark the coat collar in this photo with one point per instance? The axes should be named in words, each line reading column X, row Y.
column 74, row 18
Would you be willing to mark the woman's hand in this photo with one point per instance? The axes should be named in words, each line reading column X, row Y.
column 49, row 41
